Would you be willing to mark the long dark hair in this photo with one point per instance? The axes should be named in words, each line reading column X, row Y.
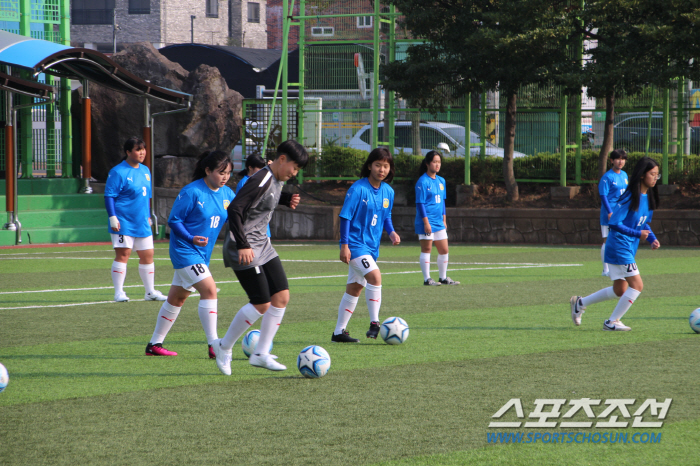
column 428, row 160
column 133, row 143
column 254, row 161
column 213, row 160
column 644, row 165
column 380, row 153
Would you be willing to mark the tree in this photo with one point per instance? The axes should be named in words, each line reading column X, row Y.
column 479, row 45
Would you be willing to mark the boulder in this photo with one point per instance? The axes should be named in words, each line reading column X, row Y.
column 213, row 122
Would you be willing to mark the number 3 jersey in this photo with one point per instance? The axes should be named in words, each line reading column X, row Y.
column 366, row 207
column 202, row 212
column 131, row 189
column 625, row 230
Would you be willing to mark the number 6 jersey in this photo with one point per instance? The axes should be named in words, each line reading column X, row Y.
column 202, row 212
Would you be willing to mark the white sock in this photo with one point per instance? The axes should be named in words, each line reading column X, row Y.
column 166, row 318
column 245, row 317
column 268, row 328
column 345, row 310
column 625, row 302
column 118, row 276
column 148, row 273
column 606, row 269
column 373, row 297
column 599, row 296
column 208, row 315
column 442, row 265
column 425, row 265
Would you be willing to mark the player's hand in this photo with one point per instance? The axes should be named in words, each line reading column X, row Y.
column 114, row 223
column 426, row 227
column 200, row 240
column 655, row 244
column 295, row 201
column 150, row 222
column 245, row 256
column 345, row 254
column 644, row 235
column 394, row 237
column 609, row 215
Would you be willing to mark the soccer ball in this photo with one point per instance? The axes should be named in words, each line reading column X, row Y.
column 313, row 362
column 394, row 330
column 4, row 378
column 250, row 341
column 695, row 320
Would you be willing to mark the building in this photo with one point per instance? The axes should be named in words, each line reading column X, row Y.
column 99, row 24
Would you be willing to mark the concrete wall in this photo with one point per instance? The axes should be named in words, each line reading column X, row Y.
column 244, row 33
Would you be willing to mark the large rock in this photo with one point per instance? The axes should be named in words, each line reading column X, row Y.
column 213, row 122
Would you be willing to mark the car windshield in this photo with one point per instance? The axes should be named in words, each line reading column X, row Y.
column 457, row 133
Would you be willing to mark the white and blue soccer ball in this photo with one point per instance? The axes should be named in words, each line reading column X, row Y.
column 250, row 342
column 313, row 362
column 4, row 378
column 694, row 320
column 394, row 330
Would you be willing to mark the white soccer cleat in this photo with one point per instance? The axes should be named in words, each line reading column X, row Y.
column 576, row 310
column 223, row 357
column 266, row 361
column 155, row 296
column 605, row 274
column 615, row 326
column 120, row 297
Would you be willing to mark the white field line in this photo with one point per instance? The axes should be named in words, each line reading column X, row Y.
column 109, row 250
column 236, row 281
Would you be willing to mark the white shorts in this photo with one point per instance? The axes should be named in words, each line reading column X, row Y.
column 604, row 230
column 434, row 236
column 620, row 272
column 188, row 276
column 129, row 242
column 359, row 267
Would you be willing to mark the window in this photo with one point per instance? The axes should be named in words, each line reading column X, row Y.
column 364, row 21
column 139, row 7
column 212, row 8
column 253, row 12
column 92, row 11
column 322, row 31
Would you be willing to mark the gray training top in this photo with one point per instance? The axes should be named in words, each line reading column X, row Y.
column 248, row 216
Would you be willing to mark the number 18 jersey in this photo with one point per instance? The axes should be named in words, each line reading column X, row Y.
column 202, row 212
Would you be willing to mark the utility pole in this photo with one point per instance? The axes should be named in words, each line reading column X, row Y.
column 192, row 18
column 114, row 30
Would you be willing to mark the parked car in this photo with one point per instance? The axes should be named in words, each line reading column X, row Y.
column 433, row 135
column 631, row 129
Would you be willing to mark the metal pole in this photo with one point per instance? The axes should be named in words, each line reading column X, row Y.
column 664, row 141
column 389, row 125
column 375, row 79
column 680, row 127
column 114, row 30
column 10, row 165
column 192, row 18
column 482, row 131
column 301, row 104
column 468, row 141
column 285, row 75
column 87, row 138
column 562, row 141
column 651, row 113
column 65, row 102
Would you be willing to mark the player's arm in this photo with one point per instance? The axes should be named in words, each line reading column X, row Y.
column 112, row 213
column 603, row 190
column 651, row 237
column 113, row 187
column 389, row 226
column 423, row 215
column 290, row 200
column 352, row 199
column 345, row 254
column 444, row 214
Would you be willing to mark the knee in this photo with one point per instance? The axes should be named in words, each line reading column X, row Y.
column 280, row 299
column 262, row 308
column 374, row 278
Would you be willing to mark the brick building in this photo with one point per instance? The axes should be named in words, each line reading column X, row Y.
column 166, row 22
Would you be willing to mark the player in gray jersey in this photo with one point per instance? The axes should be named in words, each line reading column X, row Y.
column 248, row 251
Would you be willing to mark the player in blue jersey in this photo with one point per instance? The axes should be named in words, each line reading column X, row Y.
column 127, row 199
column 431, row 218
column 365, row 214
column 629, row 224
column 198, row 213
column 253, row 164
column 611, row 186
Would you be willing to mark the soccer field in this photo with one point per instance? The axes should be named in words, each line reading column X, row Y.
column 82, row 392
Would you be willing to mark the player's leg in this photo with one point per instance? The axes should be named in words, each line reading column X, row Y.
column 147, row 269
column 426, row 247
column 443, row 257
column 579, row 303
column 373, row 295
column 631, row 288
column 604, row 230
column 208, row 310
column 169, row 311
column 122, row 250
column 355, row 284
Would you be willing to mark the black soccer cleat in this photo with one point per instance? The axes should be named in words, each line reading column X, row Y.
column 344, row 337
column 373, row 330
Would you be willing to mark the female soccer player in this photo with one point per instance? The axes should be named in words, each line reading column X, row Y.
column 611, row 186
column 253, row 164
column 431, row 220
column 366, row 211
column 127, row 195
column 629, row 224
column 195, row 220
column 255, row 262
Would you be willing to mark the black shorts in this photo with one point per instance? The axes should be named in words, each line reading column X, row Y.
column 263, row 281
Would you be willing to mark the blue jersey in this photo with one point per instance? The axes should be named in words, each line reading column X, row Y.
column 611, row 187
column 238, row 188
column 202, row 212
column 431, row 193
column 131, row 189
column 366, row 207
column 625, row 227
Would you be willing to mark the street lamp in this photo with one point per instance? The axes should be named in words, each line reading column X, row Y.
column 192, row 18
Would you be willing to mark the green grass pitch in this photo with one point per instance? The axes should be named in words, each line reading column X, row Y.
column 82, row 392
